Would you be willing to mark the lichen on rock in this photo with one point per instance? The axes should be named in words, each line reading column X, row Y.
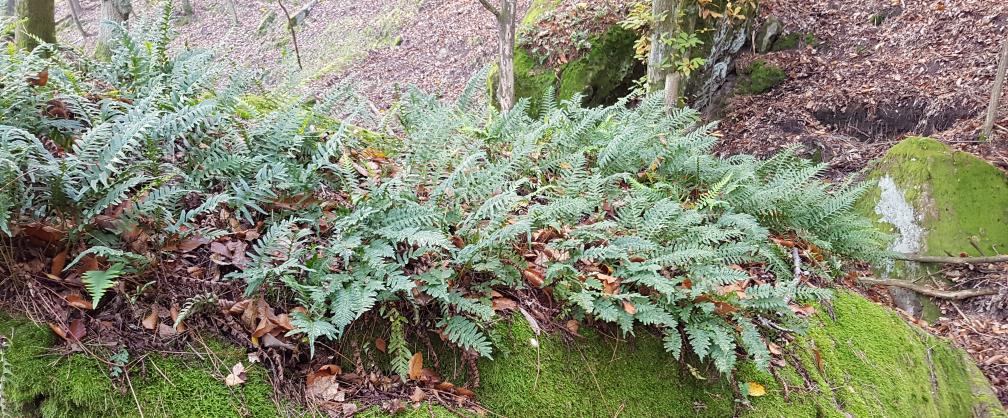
column 955, row 203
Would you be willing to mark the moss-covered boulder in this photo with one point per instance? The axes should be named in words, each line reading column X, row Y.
column 865, row 362
column 603, row 75
column 936, row 201
column 43, row 383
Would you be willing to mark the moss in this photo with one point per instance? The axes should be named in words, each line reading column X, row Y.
column 47, row 385
column 873, row 364
column 960, row 197
column 793, row 40
column 603, row 75
column 760, row 77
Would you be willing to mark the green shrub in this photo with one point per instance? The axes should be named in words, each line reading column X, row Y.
column 623, row 212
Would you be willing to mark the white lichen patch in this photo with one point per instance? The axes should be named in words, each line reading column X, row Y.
column 894, row 209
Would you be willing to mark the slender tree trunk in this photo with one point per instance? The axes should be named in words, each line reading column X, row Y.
column 187, row 9
column 232, row 9
column 8, row 9
column 505, row 46
column 117, row 11
column 995, row 98
column 75, row 12
column 39, row 18
column 658, row 74
column 505, row 17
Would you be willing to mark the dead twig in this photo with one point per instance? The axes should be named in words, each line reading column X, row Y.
column 951, row 260
column 929, row 291
column 290, row 27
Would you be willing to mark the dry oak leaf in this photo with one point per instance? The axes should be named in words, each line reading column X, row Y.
column 77, row 301
column 380, row 344
column 415, row 366
column 151, row 320
column 58, row 262
column 755, row 389
column 533, row 276
column 237, row 375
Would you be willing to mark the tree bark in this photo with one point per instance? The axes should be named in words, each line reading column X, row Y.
column 658, row 74
column 995, row 98
column 8, row 9
column 187, row 9
column 117, row 11
column 75, row 13
column 506, row 45
column 505, row 17
column 234, row 12
column 39, row 18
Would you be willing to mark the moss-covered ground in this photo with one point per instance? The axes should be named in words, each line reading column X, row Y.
column 45, row 384
column 865, row 362
column 603, row 75
column 873, row 364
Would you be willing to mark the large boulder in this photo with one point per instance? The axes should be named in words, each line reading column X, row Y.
column 936, row 201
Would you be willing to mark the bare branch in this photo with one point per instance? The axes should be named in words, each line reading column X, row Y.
column 290, row 26
column 929, row 291
column 493, row 10
column 951, row 260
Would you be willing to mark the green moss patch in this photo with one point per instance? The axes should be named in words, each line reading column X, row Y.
column 603, row 76
column 793, row 40
column 873, row 364
column 760, row 77
column 43, row 384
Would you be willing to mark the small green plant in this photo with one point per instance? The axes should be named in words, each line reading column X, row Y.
column 98, row 282
column 118, row 362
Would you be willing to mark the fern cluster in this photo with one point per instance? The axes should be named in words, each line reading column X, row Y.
column 622, row 211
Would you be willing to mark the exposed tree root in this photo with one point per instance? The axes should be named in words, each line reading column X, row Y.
column 930, row 291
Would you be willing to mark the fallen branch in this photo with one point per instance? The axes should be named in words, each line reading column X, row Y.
column 951, row 260
column 929, row 291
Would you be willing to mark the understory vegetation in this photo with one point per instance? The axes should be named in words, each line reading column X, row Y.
column 622, row 214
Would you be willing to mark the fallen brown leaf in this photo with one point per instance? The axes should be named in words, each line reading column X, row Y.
column 415, row 366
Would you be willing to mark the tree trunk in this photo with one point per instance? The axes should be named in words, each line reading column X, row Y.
column 39, row 18
column 117, row 11
column 75, row 12
column 658, row 72
column 187, row 9
column 234, row 12
column 8, row 9
column 505, row 46
column 995, row 98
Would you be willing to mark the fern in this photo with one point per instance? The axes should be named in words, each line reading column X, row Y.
column 97, row 282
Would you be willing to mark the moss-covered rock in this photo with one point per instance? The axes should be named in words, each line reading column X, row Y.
column 872, row 364
column 793, row 40
column 44, row 384
column 603, row 75
column 760, row 77
column 937, row 202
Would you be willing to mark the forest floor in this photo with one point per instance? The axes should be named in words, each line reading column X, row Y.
column 381, row 46
column 876, row 71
